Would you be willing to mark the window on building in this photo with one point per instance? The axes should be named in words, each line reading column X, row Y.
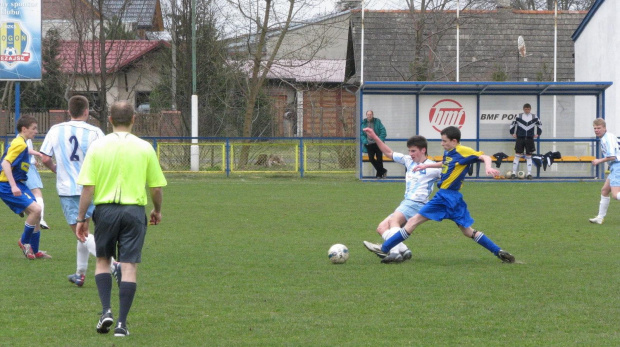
column 143, row 104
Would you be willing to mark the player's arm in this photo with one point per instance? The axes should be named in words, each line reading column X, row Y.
column 538, row 129
column 603, row 160
column 157, row 195
column 488, row 168
column 47, row 161
column 81, row 230
column 436, row 165
column 6, row 167
column 387, row 151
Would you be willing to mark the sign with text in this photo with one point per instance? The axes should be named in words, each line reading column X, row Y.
column 497, row 116
column 20, row 40
column 440, row 111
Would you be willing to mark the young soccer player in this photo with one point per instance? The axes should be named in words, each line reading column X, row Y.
column 69, row 142
column 448, row 202
column 418, row 187
column 13, row 191
column 610, row 153
column 34, row 182
column 525, row 128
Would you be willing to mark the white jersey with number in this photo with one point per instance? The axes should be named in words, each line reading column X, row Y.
column 419, row 184
column 68, row 142
column 609, row 147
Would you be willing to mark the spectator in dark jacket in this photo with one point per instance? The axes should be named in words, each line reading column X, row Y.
column 375, row 156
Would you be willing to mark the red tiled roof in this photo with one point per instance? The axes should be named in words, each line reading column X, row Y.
column 85, row 58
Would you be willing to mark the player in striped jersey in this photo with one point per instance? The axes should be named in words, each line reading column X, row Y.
column 418, row 187
column 448, row 202
column 68, row 143
column 609, row 154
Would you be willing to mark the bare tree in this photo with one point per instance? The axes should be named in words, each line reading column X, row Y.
column 96, row 38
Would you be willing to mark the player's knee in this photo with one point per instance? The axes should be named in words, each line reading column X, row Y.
column 34, row 210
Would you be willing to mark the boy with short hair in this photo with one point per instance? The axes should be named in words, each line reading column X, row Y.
column 609, row 154
column 448, row 202
column 418, row 187
column 15, row 164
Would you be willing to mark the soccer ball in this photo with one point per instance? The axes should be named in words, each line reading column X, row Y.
column 338, row 254
column 508, row 174
column 10, row 51
column 521, row 174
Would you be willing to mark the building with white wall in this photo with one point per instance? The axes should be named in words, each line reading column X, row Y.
column 597, row 54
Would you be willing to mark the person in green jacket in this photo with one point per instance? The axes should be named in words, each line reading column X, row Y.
column 375, row 156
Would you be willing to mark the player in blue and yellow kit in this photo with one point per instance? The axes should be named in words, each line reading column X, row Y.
column 15, row 163
column 448, row 202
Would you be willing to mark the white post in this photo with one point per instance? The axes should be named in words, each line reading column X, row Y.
column 362, row 50
column 555, row 63
column 457, row 40
column 194, row 153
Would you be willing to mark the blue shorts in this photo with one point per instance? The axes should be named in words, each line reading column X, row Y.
column 17, row 204
column 70, row 206
column 409, row 208
column 448, row 204
column 34, row 179
column 614, row 175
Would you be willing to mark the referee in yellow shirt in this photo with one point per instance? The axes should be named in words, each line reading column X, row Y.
column 115, row 171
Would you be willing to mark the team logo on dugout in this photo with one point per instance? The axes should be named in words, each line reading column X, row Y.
column 445, row 113
column 13, row 44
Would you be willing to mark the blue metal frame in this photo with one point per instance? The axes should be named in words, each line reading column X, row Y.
column 539, row 89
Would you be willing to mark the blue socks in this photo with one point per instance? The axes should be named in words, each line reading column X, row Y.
column 486, row 242
column 34, row 241
column 394, row 240
column 27, row 234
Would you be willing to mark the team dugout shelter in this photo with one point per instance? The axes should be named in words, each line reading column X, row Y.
column 484, row 111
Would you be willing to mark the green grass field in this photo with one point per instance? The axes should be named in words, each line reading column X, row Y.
column 243, row 261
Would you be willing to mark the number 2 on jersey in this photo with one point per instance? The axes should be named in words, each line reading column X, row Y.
column 74, row 141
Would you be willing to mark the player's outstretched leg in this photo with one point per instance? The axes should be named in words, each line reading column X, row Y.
column 486, row 242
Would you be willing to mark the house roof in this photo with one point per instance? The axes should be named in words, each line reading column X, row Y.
column 303, row 71
column 141, row 12
column 313, row 71
column 595, row 6
column 83, row 57
column 488, row 45
column 487, row 88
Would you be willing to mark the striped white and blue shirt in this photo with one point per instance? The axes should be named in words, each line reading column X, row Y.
column 419, row 184
column 68, row 142
column 610, row 148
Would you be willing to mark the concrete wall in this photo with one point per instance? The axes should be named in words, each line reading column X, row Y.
column 597, row 56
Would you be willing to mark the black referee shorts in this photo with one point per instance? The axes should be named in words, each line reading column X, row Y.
column 122, row 228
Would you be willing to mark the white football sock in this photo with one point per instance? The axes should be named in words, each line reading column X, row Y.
column 82, row 258
column 515, row 165
column 389, row 233
column 42, row 204
column 603, row 206
column 528, row 160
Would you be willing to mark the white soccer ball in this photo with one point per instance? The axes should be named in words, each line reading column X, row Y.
column 521, row 174
column 10, row 51
column 338, row 253
column 508, row 174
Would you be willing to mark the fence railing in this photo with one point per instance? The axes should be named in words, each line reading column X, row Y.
column 249, row 155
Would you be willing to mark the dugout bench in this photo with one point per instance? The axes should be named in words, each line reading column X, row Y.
column 569, row 159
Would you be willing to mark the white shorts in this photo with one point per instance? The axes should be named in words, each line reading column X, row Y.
column 409, row 208
column 34, row 179
column 614, row 175
column 70, row 206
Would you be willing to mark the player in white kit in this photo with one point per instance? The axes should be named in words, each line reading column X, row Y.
column 418, row 187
